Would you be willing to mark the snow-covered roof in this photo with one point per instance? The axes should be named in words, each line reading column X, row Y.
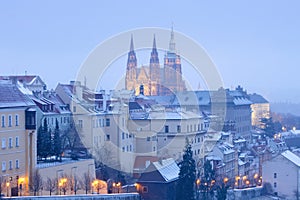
column 11, row 96
column 291, row 157
column 240, row 162
column 174, row 115
column 168, row 169
column 241, row 101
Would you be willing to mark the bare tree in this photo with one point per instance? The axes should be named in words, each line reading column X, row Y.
column 2, row 185
column 86, row 182
column 73, row 182
column 36, row 182
column 51, row 185
column 103, row 154
column 72, row 141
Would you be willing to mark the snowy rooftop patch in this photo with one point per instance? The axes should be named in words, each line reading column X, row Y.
column 291, row 157
column 167, row 168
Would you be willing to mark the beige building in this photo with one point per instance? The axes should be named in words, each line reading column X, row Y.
column 260, row 108
column 164, row 133
column 18, row 136
column 101, row 122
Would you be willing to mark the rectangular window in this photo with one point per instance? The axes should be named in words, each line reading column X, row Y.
column 3, row 144
column 17, row 164
column 74, row 108
column 10, row 142
column 166, row 129
column 178, row 128
column 9, row 120
column 145, row 189
column 148, row 139
column 275, row 175
column 3, row 121
column 17, row 120
column 107, row 137
column 107, row 122
column 17, row 141
column 123, row 149
column 187, row 128
column 275, row 185
column 123, row 136
column 3, row 166
column 80, row 123
column 10, row 165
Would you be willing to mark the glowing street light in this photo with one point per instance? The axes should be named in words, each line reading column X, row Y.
column 225, row 180
column 7, row 186
column 62, row 185
column 20, row 182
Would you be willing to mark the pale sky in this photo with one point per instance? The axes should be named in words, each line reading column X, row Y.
column 254, row 44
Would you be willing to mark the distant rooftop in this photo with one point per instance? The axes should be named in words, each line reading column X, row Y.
column 291, row 157
column 11, row 96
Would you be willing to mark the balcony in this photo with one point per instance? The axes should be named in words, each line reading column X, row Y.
column 30, row 119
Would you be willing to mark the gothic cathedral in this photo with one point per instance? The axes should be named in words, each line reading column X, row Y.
column 155, row 80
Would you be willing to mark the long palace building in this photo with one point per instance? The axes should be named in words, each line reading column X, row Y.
column 154, row 79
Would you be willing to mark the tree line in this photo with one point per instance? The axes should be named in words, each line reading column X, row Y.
column 192, row 186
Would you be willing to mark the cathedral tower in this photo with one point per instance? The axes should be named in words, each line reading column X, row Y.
column 131, row 70
column 172, row 70
column 154, row 71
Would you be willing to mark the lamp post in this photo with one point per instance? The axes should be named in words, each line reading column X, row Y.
column 237, row 181
column 62, row 185
column 198, row 189
column 7, row 186
column 21, row 181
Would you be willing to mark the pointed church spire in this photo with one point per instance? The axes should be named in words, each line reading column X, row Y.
column 154, row 42
column 131, row 43
column 172, row 41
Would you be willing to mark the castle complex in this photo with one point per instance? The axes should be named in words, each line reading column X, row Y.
column 154, row 79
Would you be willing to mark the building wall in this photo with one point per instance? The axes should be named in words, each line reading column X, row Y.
column 17, row 153
column 259, row 111
column 167, row 137
column 283, row 176
column 67, row 169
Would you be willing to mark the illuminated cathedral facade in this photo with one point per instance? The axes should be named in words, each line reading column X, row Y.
column 154, row 79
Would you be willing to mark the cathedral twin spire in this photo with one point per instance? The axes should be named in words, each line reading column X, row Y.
column 154, row 79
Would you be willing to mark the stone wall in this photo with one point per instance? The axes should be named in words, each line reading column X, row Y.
column 245, row 194
column 131, row 196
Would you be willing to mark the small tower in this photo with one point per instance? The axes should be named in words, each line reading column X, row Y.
column 172, row 69
column 154, row 71
column 130, row 79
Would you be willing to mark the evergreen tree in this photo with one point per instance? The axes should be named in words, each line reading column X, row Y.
column 57, row 150
column 222, row 191
column 39, row 143
column 187, row 176
column 208, row 180
column 44, row 141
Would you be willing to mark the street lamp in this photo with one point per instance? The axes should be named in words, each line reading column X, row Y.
column 20, row 182
column 7, row 186
column 62, row 185
column 225, row 180
column 237, row 181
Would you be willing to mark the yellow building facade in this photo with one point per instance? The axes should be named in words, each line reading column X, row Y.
column 17, row 135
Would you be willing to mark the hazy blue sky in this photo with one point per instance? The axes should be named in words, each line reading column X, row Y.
column 253, row 43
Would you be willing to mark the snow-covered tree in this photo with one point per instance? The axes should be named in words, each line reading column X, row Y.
column 187, row 175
